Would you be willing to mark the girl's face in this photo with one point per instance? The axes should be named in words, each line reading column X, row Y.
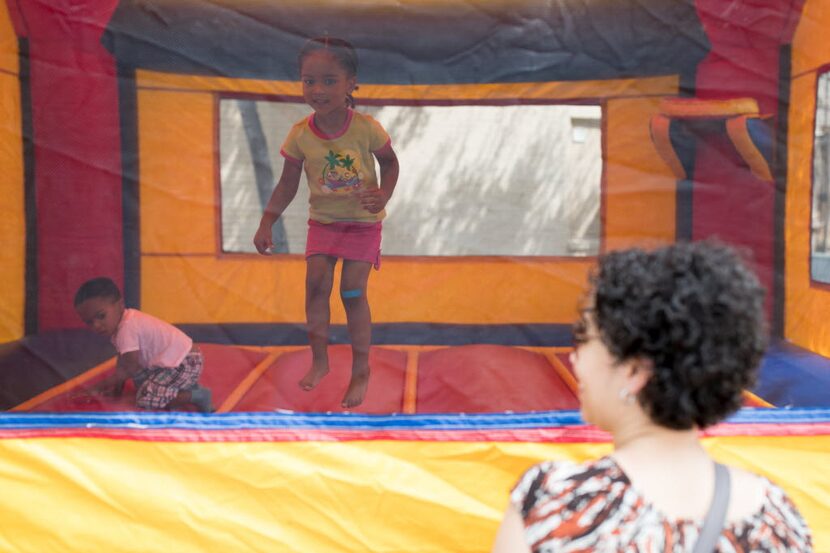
column 325, row 83
column 101, row 315
column 600, row 375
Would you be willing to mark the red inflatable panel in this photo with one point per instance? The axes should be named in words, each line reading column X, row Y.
column 488, row 378
column 279, row 386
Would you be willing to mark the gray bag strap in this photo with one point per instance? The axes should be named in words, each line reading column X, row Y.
column 713, row 524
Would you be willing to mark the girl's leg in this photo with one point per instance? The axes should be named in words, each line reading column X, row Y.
column 353, row 282
column 318, row 282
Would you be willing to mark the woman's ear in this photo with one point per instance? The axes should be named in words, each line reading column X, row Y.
column 640, row 371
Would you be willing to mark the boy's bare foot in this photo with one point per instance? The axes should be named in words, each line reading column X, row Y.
column 357, row 389
column 314, row 375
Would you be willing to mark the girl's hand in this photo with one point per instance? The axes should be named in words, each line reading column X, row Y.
column 372, row 200
column 263, row 241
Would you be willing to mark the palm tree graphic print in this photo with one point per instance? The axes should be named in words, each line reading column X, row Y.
column 341, row 173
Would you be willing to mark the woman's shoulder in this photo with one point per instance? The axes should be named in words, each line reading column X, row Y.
column 569, row 506
column 566, row 480
column 571, row 470
column 776, row 526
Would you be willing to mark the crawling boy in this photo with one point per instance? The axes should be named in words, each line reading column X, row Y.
column 161, row 359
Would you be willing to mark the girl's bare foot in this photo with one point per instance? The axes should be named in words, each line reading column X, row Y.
column 314, row 375
column 357, row 389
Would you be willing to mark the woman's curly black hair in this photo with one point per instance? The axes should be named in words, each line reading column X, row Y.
column 696, row 312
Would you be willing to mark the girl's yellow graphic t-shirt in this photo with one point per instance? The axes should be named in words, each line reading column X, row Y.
column 338, row 165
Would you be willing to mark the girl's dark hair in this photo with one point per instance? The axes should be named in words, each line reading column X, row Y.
column 695, row 311
column 101, row 287
column 342, row 50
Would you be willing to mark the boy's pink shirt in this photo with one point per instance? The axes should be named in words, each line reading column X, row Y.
column 158, row 343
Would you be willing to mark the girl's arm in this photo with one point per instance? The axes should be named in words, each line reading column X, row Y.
column 374, row 201
column 282, row 195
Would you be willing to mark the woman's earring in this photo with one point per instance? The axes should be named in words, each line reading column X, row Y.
column 626, row 396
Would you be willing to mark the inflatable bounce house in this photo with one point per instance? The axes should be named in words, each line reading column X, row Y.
column 141, row 138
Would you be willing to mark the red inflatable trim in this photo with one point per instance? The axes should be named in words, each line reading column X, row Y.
column 568, row 434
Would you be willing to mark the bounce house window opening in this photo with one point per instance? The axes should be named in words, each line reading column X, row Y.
column 475, row 180
column 820, row 224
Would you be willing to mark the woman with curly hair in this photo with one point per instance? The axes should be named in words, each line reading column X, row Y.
column 665, row 345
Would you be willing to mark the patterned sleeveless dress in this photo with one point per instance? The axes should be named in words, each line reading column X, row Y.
column 569, row 507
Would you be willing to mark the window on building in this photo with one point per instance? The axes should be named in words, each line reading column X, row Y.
column 515, row 180
column 820, row 239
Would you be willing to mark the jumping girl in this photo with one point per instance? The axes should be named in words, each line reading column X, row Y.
column 338, row 148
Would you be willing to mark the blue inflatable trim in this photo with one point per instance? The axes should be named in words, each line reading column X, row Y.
column 323, row 421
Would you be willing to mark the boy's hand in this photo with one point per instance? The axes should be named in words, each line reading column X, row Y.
column 112, row 386
column 263, row 241
column 117, row 388
column 373, row 200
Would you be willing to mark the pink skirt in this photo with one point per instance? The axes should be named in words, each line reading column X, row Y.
column 346, row 240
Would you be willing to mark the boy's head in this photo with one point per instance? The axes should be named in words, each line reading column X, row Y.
column 99, row 304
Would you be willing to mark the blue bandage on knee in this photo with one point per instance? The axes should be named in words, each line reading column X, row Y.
column 356, row 293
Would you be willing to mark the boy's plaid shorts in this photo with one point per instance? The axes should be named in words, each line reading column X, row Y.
column 158, row 386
